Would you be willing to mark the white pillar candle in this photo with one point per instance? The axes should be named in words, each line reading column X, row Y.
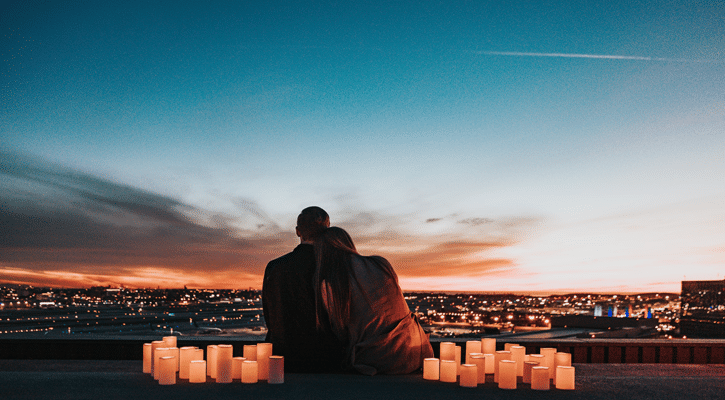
column 507, row 374
column 155, row 345
column 250, row 352
column 167, row 370
column 538, row 358
column 186, row 354
column 276, row 369
column 431, row 369
column 158, row 353
column 224, row 363
column 565, row 378
column 198, row 354
column 170, row 341
column 264, row 350
column 499, row 356
column 507, row 346
column 490, row 363
column 488, row 345
column 448, row 371
column 528, row 365
column 211, row 352
column 175, row 352
column 237, row 367
column 563, row 360
column 548, row 353
column 250, row 373
column 197, row 371
column 448, row 350
column 457, row 359
column 469, row 375
column 472, row 347
column 540, row 378
column 518, row 354
column 147, row 358
column 480, row 362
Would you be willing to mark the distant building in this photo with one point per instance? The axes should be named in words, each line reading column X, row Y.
column 703, row 309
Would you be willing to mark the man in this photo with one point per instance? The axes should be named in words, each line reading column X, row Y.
column 288, row 298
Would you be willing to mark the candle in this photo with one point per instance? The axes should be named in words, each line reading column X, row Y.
column 528, row 365
column 431, row 369
column 448, row 350
column 472, row 347
column 540, row 378
column 250, row 373
column 498, row 357
column 507, row 346
column 488, row 345
column 170, row 341
column 167, row 370
column 197, row 371
column 548, row 353
column 211, row 360
column 186, row 354
column 158, row 353
column 490, row 363
column 448, row 371
column 147, row 358
column 224, row 363
column 175, row 352
column 250, row 352
column 237, row 367
column 565, row 377
column 457, row 359
column 507, row 374
column 264, row 350
column 518, row 354
column 561, row 359
column 276, row 369
column 469, row 375
column 155, row 345
column 480, row 361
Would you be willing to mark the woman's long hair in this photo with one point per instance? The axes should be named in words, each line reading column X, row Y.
column 333, row 252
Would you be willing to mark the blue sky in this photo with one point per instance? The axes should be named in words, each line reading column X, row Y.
column 478, row 145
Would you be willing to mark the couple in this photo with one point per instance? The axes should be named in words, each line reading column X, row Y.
column 329, row 309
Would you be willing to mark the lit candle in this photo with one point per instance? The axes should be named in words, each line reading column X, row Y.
column 480, row 361
column 448, row 350
column 155, row 345
column 448, row 371
column 158, row 353
column 224, row 363
column 540, row 378
column 528, row 365
column 147, row 358
column 457, row 359
column 276, row 369
column 250, row 352
column 211, row 364
column 500, row 355
column 507, row 346
column 167, row 370
column 507, row 374
column 488, row 345
column 518, row 354
column 490, row 363
column 472, row 347
column 565, row 378
column 431, row 369
column 548, row 353
column 175, row 352
column 170, row 341
column 469, row 375
column 237, row 367
column 250, row 373
column 186, row 354
column 264, row 350
column 197, row 371
column 563, row 360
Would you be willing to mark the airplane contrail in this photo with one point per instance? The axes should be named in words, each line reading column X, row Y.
column 597, row 56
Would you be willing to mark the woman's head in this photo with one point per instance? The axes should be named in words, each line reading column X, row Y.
column 333, row 251
column 335, row 238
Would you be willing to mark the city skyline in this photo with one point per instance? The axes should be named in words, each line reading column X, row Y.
column 525, row 148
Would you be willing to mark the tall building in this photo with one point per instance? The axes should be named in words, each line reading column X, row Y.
column 703, row 309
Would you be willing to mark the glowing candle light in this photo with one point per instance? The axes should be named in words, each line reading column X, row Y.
column 170, row 341
column 472, row 347
column 448, row 371
column 563, row 360
column 518, row 354
column 167, row 370
column 198, row 354
column 276, row 369
column 250, row 373
column 158, row 353
column 469, row 375
column 175, row 352
column 237, row 367
column 457, row 359
column 480, row 361
column 488, row 345
column 264, row 350
column 431, row 369
column 186, row 354
column 250, row 352
column 490, row 363
column 548, row 353
column 197, row 371
column 448, row 350
column 224, row 363
column 147, row 358
column 155, row 345
column 507, row 374
column 565, row 378
column 211, row 363
column 507, row 346
column 540, row 378
column 499, row 356
column 528, row 365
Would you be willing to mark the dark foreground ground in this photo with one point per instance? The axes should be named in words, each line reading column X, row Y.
column 95, row 380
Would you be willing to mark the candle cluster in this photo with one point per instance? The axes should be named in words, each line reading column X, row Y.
column 165, row 362
column 508, row 366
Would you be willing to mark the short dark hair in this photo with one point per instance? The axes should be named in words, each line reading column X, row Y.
column 312, row 221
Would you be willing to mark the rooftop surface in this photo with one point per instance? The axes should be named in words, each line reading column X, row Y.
column 122, row 379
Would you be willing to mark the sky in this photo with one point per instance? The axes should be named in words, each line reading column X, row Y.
column 533, row 147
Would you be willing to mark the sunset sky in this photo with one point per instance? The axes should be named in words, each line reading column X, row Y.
column 479, row 146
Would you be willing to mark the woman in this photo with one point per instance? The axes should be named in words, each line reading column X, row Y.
column 360, row 300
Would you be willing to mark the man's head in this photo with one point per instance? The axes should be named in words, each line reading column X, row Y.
column 311, row 222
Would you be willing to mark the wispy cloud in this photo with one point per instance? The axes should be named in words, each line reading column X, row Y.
column 594, row 56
